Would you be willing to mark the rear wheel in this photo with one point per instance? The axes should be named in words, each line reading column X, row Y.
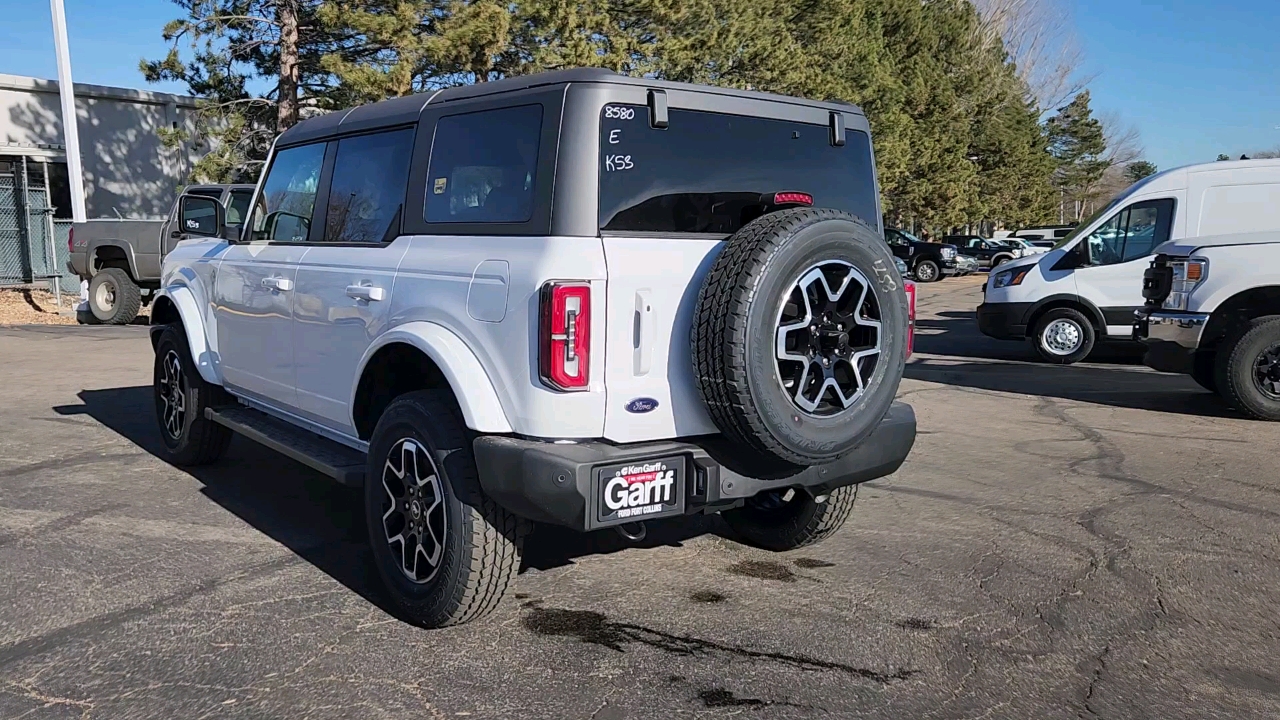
column 1063, row 336
column 927, row 271
column 1248, row 368
column 445, row 551
column 787, row 519
column 114, row 298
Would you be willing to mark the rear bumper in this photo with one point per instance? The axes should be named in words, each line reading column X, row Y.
column 556, row 483
column 1171, row 338
column 1004, row 321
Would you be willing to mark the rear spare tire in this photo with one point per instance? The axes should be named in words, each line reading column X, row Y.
column 799, row 336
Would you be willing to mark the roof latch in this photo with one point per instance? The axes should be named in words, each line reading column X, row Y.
column 658, row 109
column 836, row 123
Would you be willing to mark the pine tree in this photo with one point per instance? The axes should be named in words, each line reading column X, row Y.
column 1076, row 141
column 1135, row 171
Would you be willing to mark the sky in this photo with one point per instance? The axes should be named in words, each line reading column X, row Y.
column 1196, row 77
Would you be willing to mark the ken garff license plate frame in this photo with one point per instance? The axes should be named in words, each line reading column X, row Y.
column 638, row 490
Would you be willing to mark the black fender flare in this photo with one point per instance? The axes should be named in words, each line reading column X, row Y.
column 1061, row 299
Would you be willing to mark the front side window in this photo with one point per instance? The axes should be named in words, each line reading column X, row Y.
column 367, row 190
column 283, row 212
column 484, row 166
column 1132, row 233
column 707, row 172
column 238, row 206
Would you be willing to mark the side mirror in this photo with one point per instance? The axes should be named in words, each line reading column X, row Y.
column 201, row 216
column 1076, row 257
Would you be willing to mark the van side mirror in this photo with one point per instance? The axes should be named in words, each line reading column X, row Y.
column 1076, row 257
column 201, row 216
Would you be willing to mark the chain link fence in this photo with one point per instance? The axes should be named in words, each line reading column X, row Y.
column 33, row 245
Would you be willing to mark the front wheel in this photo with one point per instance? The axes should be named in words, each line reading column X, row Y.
column 1063, row 336
column 928, row 271
column 1248, row 369
column 781, row 520
column 181, row 397
column 445, row 551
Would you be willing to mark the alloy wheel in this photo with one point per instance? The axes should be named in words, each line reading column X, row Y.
column 925, row 273
column 1062, row 337
column 106, row 296
column 1266, row 371
column 173, row 395
column 828, row 338
column 413, row 518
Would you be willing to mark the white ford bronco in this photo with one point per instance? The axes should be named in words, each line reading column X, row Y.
column 575, row 298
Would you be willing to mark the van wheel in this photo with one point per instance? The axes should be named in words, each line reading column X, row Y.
column 181, row 397
column 114, row 298
column 927, row 271
column 1064, row 336
column 1248, row 369
column 782, row 520
column 445, row 551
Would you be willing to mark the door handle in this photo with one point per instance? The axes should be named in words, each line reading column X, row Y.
column 278, row 283
column 642, row 354
column 367, row 293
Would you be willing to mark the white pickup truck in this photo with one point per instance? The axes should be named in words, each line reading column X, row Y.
column 1213, row 312
column 574, row 298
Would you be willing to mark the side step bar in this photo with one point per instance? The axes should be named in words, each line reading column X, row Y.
column 338, row 461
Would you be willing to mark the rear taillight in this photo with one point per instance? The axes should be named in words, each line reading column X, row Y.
column 911, row 316
column 71, row 238
column 565, row 335
column 792, row 198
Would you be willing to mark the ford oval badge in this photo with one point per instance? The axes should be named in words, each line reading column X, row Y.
column 642, row 405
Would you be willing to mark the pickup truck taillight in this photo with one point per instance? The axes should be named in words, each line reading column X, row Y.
column 910, row 287
column 565, row 335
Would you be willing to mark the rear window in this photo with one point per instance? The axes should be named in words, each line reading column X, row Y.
column 705, row 173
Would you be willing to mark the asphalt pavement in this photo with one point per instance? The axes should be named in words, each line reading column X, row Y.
column 1090, row 541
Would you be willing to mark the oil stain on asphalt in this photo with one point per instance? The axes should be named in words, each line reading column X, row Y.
column 763, row 570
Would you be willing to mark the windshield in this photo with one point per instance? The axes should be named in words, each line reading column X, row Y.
column 909, row 236
column 1085, row 223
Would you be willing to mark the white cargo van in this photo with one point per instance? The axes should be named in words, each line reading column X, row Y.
column 1088, row 286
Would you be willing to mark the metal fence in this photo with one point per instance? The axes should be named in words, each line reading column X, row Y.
column 33, row 245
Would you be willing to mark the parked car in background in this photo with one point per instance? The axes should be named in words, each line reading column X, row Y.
column 929, row 262
column 563, row 298
column 1213, row 312
column 121, row 259
column 966, row 265
column 1043, row 235
column 1027, row 247
column 1089, row 286
column 901, row 266
column 989, row 253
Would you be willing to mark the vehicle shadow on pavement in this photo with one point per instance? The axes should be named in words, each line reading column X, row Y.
column 955, row 333
column 319, row 520
column 323, row 522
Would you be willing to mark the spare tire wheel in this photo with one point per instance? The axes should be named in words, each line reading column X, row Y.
column 799, row 334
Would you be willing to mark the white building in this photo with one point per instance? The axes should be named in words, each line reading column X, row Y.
column 128, row 172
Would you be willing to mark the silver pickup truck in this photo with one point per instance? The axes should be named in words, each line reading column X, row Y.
column 121, row 259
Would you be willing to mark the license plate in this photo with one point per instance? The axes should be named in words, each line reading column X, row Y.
column 639, row 490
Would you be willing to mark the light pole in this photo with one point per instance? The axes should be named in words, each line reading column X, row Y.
column 70, row 131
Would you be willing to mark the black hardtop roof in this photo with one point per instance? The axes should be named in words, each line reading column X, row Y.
column 405, row 110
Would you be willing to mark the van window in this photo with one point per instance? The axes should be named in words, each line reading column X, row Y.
column 283, row 212
column 1230, row 209
column 705, row 172
column 484, row 166
column 1131, row 233
column 367, row 190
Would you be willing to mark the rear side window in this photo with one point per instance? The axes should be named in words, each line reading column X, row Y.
column 283, row 212
column 484, row 166
column 368, row 186
column 705, row 173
